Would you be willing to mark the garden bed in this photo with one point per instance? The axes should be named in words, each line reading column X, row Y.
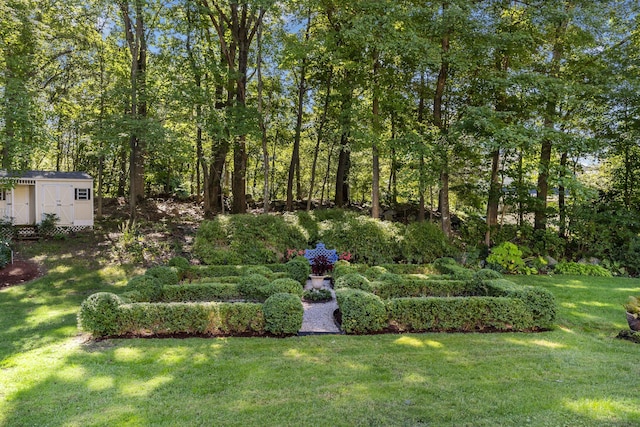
column 159, row 303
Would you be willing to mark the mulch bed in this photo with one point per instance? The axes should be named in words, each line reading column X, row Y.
column 19, row 272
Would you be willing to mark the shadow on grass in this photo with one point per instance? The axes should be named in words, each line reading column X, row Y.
column 435, row 379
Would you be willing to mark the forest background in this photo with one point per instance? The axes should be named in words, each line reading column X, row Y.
column 518, row 119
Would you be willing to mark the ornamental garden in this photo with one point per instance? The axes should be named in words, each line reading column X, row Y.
column 249, row 276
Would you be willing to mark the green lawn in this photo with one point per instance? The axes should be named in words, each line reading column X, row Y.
column 577, row 374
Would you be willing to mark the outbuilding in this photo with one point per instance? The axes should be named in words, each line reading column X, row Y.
column 27, row 196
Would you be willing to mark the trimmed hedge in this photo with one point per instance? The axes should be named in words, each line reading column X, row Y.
column 201, row 292
column 412, row 287
column 353, row 281
column 540, row 301
column 251, row 287
column 99, row 314
column 145, row 288
column 283, row 314
column 362, row 312
column 299, row 269
column 164, row 275
column 104, row 314
column 459, row 314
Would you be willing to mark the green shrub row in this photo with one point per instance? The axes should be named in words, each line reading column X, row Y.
column 253, row 288
column 449, row 267
column 411, row 287
column 459, row 314
column 540, row 302
column 193, row 292
column 208, row 272
column 507, row 307
column 580, row 269
column 105, row 314
column 362, row 312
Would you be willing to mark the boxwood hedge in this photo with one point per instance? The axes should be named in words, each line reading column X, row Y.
column 459, row 314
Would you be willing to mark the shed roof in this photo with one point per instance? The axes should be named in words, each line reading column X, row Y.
column 44, row 175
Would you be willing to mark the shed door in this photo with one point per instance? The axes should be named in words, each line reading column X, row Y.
column 58, row 199
column 21, row 208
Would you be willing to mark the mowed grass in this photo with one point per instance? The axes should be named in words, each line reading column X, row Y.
column 576, row 375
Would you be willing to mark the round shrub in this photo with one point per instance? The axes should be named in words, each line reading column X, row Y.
column 342, row 268
column 373, row 273
column 353, row 281
column 283, row 314
column 179, row 262
column 299, row 269
column 286, row 286
column 424, row 242
column 257, row 269
column 251, row 287
column 148, row 288
column 99, row 314
column 362, row 312
column 164, row 275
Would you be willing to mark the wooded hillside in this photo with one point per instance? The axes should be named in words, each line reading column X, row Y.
column 502, row 111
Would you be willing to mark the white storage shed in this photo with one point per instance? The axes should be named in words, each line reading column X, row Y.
column 32, row 194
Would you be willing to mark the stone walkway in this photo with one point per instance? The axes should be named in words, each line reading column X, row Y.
column 318, row 317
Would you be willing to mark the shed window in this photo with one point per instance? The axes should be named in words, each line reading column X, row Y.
column 83, row 194
column 3, row 195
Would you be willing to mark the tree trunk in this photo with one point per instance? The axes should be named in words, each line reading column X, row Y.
column 540, row 216
column 493, row 201
column 375, row 164
column 263, row 129
column 342, row 196
column 319, row 136
column 562, row 206
column 441, row 83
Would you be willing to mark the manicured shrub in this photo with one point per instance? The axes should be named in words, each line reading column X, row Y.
column 464, row 314
column 424, row 242
column 390, row 278
column 539, row 301
column 317, row 295
column 257, row 269
column 211, row 318
column 99, row 314
column 362, row 312
column 182, row 267
column 147, row 287
column 239, row 318
column 299, row 269
column 414, row 287
column 580, row 269
column 283, row 314
column 287, row 286
column 353, row 281
column 449, row 267
column 164, row 275
column 201, row 292
column 164, row 318
column 372, row 273
column 342, row 268
column 252, row 287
